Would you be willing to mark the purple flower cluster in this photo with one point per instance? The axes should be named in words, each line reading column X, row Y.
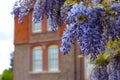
column 94, row 26
column 39, row 10
column 22, row 8
column 113, row 69
column 64, row 12
column 91, row 26
column 118, row 27
column 99, row 73
column 68, row 38
column 116, row 7
column 89, row 30
column 76, row 11
column 50, row 8
column 110, row 71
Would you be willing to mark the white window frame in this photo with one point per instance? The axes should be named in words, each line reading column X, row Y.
column 48, row 25
column 56, row 59
column 35, row 60
column 36, row 27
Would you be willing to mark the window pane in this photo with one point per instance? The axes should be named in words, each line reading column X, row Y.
column 37, row 58
column 53, row 65
column 53, row 51
column 37, row 65
column 37, row 54
column 48, row 25
column 53, row 58
column 37, row 27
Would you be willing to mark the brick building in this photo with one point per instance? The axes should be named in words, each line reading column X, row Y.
column 37, row 55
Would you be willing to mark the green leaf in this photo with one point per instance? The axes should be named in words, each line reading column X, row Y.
column 70, row 2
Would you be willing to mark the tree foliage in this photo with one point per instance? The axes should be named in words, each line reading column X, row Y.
column 91, row 23
column 0, row 77
column 11, row 60
column 7, row 75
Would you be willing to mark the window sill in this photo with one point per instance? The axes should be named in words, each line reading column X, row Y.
column 44, row 72
column 52, row 31
column 37, row 33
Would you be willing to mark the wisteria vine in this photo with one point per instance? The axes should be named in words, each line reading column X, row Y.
column 95, row 24
column 90, row 25
column 22, row 8
column 50, row 8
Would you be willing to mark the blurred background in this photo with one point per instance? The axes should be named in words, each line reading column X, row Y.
column 6, row 33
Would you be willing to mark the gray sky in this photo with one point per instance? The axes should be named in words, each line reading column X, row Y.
column 6, row 33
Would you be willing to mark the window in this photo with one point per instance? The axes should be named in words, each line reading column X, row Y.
column 37, row 59
column 88, row 68
column 48, row 25
column 53, row 58
column 36, row 27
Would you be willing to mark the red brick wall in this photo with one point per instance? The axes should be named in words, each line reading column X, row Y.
column 21, row 33
column 22, row 66
column 25, row 40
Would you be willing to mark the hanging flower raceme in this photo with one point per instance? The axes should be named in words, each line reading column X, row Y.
column 113, row 68
column 50, row 8
column 94, row 27
column 64, row 12
column 90, row 24
column 22, row 8
column 116, row 7
column 68, row 38
column 113, row 50
column 99, row 73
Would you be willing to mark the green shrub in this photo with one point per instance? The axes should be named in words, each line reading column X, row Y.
column 0, row 77
column 7, row 75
